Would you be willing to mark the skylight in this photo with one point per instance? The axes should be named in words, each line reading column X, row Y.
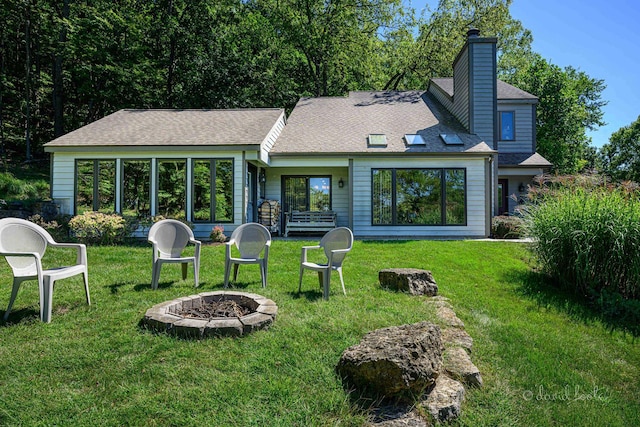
column 378, row 139
column 451, row 139
column 414, row 139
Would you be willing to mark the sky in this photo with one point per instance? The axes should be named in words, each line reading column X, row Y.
column 601, row 38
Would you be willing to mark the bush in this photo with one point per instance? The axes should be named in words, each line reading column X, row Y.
column 97, row 227
column 588, row 237
column 506, row 227
column 58, row 227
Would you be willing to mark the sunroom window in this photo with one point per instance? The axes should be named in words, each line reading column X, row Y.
column 136, row 188
column 95, row 188
column 418, row 197
column 172, row 188
column 213, row 190
column 307, row 193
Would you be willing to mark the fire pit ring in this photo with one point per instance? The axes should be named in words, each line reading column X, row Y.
column 169, row 317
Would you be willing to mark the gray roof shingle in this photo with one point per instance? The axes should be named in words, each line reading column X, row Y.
column 505, row 90
column 341, row 125
column 534, row 160
column 174, row 128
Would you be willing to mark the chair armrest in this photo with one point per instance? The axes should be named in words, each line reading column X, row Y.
column 22, row 254
column 81, row 259
column 303, row 256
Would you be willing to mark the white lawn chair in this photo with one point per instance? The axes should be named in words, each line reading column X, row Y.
column 169, row 238
column 23, row 245
column 336, row 243
column 250, row 240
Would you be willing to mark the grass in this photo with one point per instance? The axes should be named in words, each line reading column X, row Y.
column 546, row 359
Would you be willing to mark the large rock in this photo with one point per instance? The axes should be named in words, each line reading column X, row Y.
column 412, row 280
column 395, row 362
column 444, row 401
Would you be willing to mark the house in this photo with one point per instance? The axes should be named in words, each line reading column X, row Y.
column 438, row 163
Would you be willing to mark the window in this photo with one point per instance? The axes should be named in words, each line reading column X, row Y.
column 95, row 186
column 172, row 188
column 213, row 190
column 507, row 126
column 305, row 193
column 418, row 196
column 136, row 188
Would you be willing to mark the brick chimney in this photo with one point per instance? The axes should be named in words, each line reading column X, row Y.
column 474, row 86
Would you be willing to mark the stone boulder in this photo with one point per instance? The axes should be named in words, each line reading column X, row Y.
column 412, row 280
column 458, row 365
column 396, row 362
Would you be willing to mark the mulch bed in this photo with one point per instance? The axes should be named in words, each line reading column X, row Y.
column 226, row 308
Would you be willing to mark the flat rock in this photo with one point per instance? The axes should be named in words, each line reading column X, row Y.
column 412, row 280
column 449, row 318
column 457, row 337
column 458, row 365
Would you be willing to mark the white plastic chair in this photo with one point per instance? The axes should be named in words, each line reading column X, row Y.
column 250, row 240
column 336, row 244
column 23, row 245
column 169, row 238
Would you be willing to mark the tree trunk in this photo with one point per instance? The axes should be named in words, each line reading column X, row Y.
column 27, row 121
column 58, row 81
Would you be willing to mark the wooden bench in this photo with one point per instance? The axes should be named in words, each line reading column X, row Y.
column 307, row 221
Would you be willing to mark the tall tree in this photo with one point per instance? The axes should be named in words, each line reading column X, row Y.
column 621, row 156
column 570, row 104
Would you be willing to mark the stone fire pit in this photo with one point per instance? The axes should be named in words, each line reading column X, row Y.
column 212, row 314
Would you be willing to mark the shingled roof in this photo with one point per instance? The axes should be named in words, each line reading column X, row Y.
column 174, row 128
column 341, row 125
column 523, row 160
column 505, row 91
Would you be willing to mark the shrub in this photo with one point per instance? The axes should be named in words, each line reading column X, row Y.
column 97, row 227
column 217, row 234
column 58, row 227
column 588, row 237
column 12, row 188
column 506, row 227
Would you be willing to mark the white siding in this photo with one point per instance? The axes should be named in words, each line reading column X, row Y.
column 270, row 140
column 523, row 129
column 476, row 200
column 339, row 196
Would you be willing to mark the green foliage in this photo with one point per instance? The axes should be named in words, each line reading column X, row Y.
column 587, row 236
column 99, row 228
column 506, row 227
column 12, row 188
column 569, row 105
column 621, row 156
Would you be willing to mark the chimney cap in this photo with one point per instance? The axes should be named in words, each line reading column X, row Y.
column 473, row 32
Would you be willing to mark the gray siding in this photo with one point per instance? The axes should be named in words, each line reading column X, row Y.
column 483, row 94
column 476, row 201
column 441, row 96
column 523, row 128
column 461, row 89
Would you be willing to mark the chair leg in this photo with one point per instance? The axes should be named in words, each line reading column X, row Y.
column 47, row 289
column 339, row 269
column 184, row 270
column 263, row 273
column 14, row 294
column 300, row 281
column 326, row 276
column 227, row 270
column 155, row 275
column 196, row 272
column 235, row 272
column 85, row 277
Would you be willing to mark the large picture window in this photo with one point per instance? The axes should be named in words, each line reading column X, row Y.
column 95, row 186
column 136, row 187
column 213, row 190
column 307, row 193
column 172, row 188
column 418, row 197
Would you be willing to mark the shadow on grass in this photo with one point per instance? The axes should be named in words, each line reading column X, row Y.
column 27, row 315
column 309, row 295
column 611, row 310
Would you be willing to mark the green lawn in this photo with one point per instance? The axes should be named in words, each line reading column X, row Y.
column 545, row 359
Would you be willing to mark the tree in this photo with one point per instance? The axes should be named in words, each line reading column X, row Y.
column 569, row 104
column 621, row 156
